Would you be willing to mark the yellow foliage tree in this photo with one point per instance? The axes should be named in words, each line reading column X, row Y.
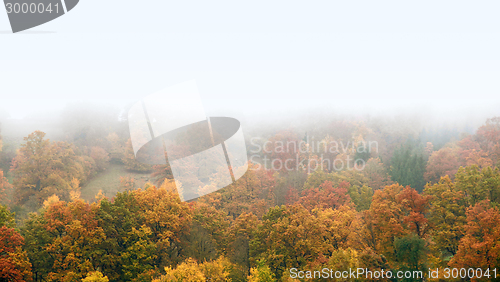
column 95, row 276
column 191, row 270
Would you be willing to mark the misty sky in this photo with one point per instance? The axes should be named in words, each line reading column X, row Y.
column 262, row 59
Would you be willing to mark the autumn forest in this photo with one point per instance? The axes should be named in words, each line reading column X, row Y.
column 422, row 198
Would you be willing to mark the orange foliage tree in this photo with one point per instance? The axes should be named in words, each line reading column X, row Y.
column 395, row 212
column 480, row 247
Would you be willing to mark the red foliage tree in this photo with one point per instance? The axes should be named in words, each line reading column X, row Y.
column 325, row 196
column 14, row 264
column 480, row 247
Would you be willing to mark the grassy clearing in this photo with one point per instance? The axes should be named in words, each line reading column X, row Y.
column 109, row 182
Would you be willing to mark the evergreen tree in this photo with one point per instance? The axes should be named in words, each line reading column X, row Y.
column 408, row 165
